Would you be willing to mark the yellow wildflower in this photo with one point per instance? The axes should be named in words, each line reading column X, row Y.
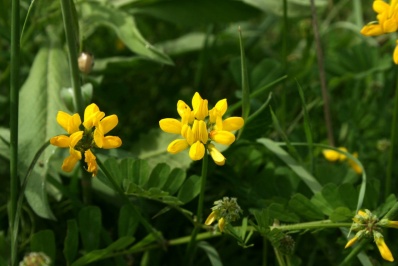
column 333, row 156
column 387, row 21
column 199, row 127
column 85, row 136
column 383, row 248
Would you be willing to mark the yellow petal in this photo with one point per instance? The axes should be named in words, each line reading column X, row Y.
column 379, row 6
column 351, row 242
column 69, row 122
column 395, row 54
column 92, row 116
column 390, row 25
column 109, row 123
column 221, row 106
column 199, row 131
column 63, row 120
column 331, row 155
column 98, row 137
column 185, row 112
column 342, row 156
column 170, row 125
column 111, row 142
column 70, row 161
column 383, row 248
column 75, row 138
column 233, row 123
column 221, row 224
column 372, row 30
column 218, row 158
column 200, row 107
column 187, row 133
column 197, row 151
column 177, row 146
column 222, row 137
column 90, row 159
column 211, row 218
column 60, row 141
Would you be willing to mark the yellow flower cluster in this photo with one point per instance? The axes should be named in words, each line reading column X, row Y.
column 387, row 22
column 85, row 136
column 368, row 225
column 333, row 156
column 199, row 127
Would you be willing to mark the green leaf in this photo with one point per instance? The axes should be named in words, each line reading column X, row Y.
column 341, row 214
column 190, row 189
column 306, row 177
column 332, row 196
column 211, row 253
column 295, row 8
column 44, row 241
column 90, row 227
column 321, row 203
column 263, row 220
column 95, row 255
column 123, row 24
column 37, row 120
column 71, row 243
column 305, row 208
column 175, row 180
column 5, row 142
column 245, row 80
column 191, row 13
column 127, row 223
column 159, row 176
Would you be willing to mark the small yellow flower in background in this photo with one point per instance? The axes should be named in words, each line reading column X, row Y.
column 387, row 22
column 368, row 225
column 199, row 127
column 225, row 211
column 333, row 156
column 85, row 136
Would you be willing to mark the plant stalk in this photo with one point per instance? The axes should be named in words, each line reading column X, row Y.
column 14, row 106
column 322, row 78
column 191, row 246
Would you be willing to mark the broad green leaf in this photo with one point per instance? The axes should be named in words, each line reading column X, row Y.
column 95, row 255
column 190, row 13
column 90, row 227
column 305, row 208
column 37, row 120
column 305, row 176
column 190, row 189
column 190, row 42
column 331, row 194
column 175, row 180
column 159, row 176
column 211, row 253
column 263, row 220
column 71, row 243
column 44, row 241
column 277, row 211
column 341, row 214
column 321, row 203
column 296, row 8
column 123, row 24
column 127, row 223
column 149, row 239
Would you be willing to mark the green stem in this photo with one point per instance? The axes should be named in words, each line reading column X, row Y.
column 14, row 105
column 265, row 249
column 393, row 139
column 279, row 257
column 311, row 225
column 354, row 252
column 133, row 209
column 191, row 246
column 70, row 33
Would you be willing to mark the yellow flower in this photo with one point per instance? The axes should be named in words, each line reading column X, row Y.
column 383, row 248
column 387, row 21
column 333, row 156
column 85, row 136
column 354, row 239
column 225, row 211
column 199, row 127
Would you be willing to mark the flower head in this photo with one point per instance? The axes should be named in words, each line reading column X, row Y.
column 387, row 21
column 85, row 136
column 225, row 211
column 333, row 156
column 368, row 225
column 199, row 127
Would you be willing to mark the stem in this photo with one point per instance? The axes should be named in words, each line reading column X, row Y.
column 393, row 139
column 14, row 105
column 321, row 68
column 191, row 245
column 355, row 251
column 126, row 200
column 265, row 247
column 311, row 225
column 70, row 30
column 279, row 257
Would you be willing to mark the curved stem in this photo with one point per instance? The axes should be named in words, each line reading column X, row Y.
column 191, row 246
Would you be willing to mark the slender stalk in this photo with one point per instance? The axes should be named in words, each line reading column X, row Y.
column 279, row 257
column 191, row 246
column 265, row 249
column 393, row 139
column 133, row 209
column 14, row 105
column 321, row 68
column 70, row 33
column 311, row 225
column 284, row 58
